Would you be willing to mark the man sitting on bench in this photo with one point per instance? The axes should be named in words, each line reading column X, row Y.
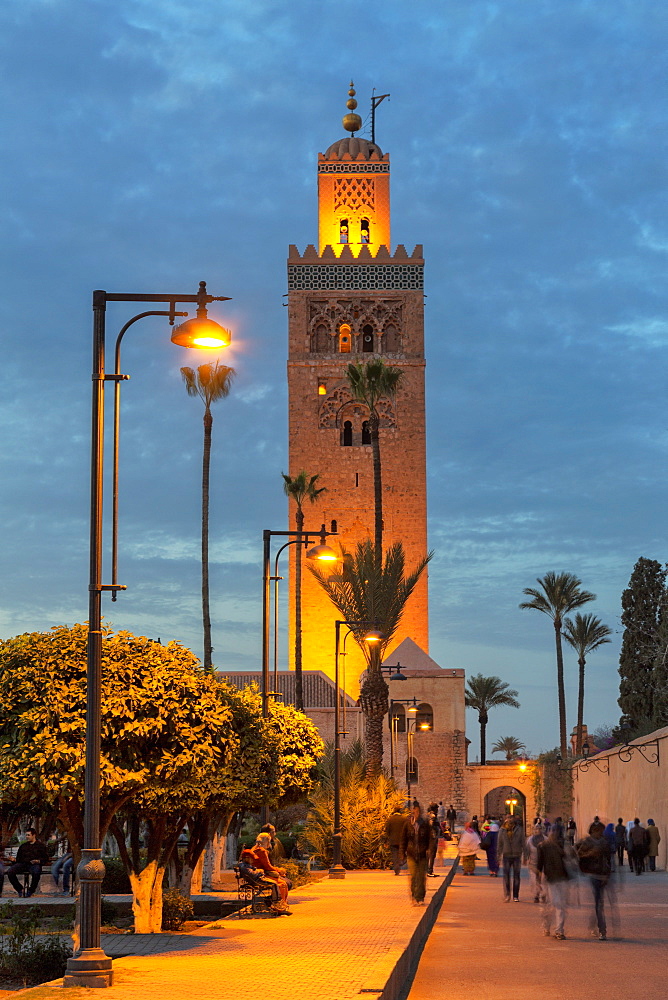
column 30, row 857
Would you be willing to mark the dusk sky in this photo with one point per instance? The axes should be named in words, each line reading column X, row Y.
column 149, row 145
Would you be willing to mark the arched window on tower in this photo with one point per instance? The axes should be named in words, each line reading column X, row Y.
column 366, row 439
column 424, row 720
column 343, row 230
column 320, row 341
column 345, row 338
column 347, row 435
column 365, row 231
column 391, row 339
column 367, row 338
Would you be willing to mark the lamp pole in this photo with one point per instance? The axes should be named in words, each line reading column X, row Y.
column 337, row 870
column 90, row 966
column 326, row 554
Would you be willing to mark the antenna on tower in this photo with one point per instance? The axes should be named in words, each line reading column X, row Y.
column 375, row 101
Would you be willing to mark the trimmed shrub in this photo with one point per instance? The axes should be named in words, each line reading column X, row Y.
column 176, row 909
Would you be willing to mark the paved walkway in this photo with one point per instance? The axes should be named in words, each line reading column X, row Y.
column 482, row 947
column 344, row 940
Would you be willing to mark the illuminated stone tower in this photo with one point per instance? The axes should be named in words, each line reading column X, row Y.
column 350, row 301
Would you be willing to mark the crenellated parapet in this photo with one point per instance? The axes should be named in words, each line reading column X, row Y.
column 348, row 269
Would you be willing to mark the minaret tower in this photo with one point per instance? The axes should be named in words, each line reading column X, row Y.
column 350, row 301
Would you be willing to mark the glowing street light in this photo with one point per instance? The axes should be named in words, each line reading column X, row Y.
column 90, row 966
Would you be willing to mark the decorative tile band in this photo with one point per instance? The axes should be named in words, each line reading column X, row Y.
column 404, row 277
column 354, row 168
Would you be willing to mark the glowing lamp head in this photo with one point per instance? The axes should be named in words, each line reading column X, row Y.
column 413, row 709
column 523, row 766
column 424, row 726
column 201, row 332
column 322, row 553
column 373, row 636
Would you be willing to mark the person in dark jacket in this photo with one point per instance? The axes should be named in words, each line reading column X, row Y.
column 30, row 857
column 433, row 842
column 510, row 846
column 620, row 841
column 415, row 842
column 595, row 860
column 550, row 862
column 638, row 846
column 654, row 839
column 451, row 817
column 394, row 829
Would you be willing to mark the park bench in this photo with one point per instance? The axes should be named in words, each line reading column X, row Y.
column 255, row 891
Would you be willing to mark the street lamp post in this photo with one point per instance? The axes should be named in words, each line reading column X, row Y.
column 337, row 870
column 320, row 553
column 90, row 966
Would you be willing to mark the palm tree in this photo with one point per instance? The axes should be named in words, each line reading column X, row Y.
column 585, row 634
column 483, row 693
column 509, row 745
column 366, row 592
column 210, row 382
column 368, row 384
column 301, row 488
column 559, row 594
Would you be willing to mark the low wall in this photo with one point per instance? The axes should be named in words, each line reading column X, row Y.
column 626, row 783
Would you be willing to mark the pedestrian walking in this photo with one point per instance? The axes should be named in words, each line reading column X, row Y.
column 609, row 834
column 434, row 831
column 620, row 841
column 469, row 842
column 394, row 828
column 654, row 838
column 530, row 855
column 571, row 831
column 415, row 840
column 475, row 824
column 639, row 846
column 594, row 858
column 596, row 825
column 510, row 846
column 440, row 815
column 561, row 830
column 489, row 841
column 551, row 866
column 451, row 817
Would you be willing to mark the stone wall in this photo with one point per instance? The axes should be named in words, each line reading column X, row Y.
column 625, row 783
column 481, row 779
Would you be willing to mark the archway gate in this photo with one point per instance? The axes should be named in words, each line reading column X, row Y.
column 481, row 779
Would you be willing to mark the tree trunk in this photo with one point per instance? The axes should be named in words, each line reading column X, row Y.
column 147, row 898
column 206, row 618
column 563, row 747
column 581, row 698
column 374, row 704
column 483, row 719
column 377, row 488
column 299, row 688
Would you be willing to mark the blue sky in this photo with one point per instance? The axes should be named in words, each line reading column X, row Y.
column 148, row 145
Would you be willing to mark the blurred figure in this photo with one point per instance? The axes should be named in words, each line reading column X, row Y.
column 469, row 842
column 595, row 860
column 531, row 857
column 433, row 843
column 571, row 832
column 490, row 837
column 394, row 829
column 415, row 840
column 552, row 868
column 654, row 838
column 451, row 817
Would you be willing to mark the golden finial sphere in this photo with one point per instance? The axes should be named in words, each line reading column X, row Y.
column 352, row 123
column 352, row 104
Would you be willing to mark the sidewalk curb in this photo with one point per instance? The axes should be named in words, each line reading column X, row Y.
column 405, row 967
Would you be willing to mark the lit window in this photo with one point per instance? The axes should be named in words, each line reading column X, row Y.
column 345, row 338
column 322, row 389
column 365, row 232
column 343, row 231
column 424, row 720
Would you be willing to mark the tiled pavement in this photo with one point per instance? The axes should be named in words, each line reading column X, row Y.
column 344, row 940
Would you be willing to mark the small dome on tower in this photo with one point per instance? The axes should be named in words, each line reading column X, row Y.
column 355, row 147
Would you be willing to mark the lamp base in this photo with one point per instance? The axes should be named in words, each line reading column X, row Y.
column 337, row 871
column 90, row 968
